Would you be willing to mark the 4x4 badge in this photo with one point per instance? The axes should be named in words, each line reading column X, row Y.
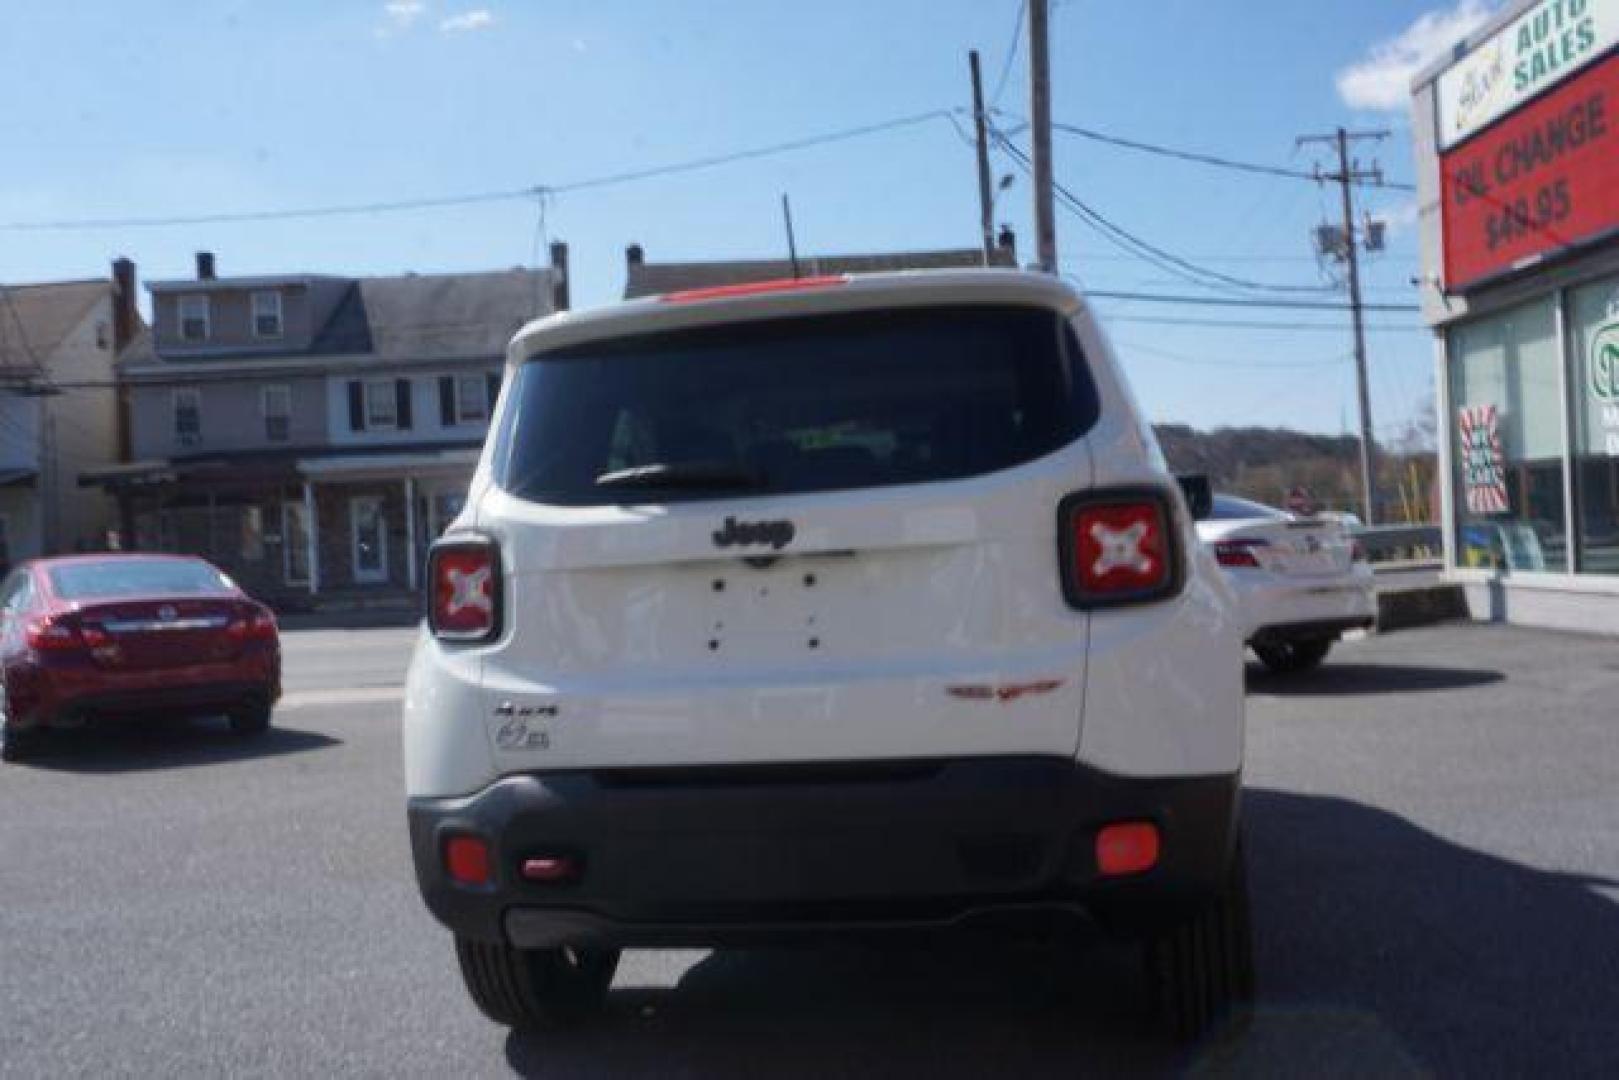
column 778, row 534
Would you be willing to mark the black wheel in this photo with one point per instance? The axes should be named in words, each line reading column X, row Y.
column 1201, row 970
column 250, row 718
column 15, row 745
column 532, row 989
column 1289, row 656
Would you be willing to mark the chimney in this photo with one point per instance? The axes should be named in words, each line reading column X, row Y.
column 559, row 283
column 125, row 317
column 1007, row 242
column 205, row 266
column 634, row 255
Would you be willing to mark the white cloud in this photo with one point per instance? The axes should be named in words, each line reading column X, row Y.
column 479, row 19
column 1400, row 217
column 1382, row 78
column 402, row 14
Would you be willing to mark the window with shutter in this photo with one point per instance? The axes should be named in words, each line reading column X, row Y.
column 276, row 404
column 381, row 405
column 267, row 314
column 446, row 401
column 187, row 415
column 471, row 399
column 402, row 402
column 194, row 318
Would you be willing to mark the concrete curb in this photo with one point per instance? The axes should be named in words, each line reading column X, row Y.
column 1402, row 609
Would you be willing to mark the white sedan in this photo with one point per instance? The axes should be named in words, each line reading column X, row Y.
column 1303, row 581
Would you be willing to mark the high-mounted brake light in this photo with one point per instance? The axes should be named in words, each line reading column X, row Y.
column 463, row 577
column 1118, row 547
column 1238, row 552
column 754, row 288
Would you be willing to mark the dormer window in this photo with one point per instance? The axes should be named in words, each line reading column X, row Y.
column 267, row 314
column 194, row 321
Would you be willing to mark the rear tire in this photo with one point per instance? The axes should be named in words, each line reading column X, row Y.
column 535, row 989
column 252, row 718
column 1201, row 970
column 1287, row 657
column 15, row 745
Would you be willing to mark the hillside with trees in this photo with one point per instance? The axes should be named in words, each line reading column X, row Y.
column 1266, row 463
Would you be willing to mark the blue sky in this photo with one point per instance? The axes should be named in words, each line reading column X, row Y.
column 119, row 110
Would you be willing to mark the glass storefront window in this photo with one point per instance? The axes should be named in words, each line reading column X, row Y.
column 1506, row 424
column 1594, row 338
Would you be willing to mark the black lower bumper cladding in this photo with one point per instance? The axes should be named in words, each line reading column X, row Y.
column 713, row 854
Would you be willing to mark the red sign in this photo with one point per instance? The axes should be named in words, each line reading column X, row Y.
column 1542, row 179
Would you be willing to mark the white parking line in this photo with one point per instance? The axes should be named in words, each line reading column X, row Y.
column 359, row 695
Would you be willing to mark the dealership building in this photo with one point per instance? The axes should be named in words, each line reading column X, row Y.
column 1517, row 156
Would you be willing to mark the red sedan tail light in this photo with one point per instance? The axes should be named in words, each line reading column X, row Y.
column 254, row 624
column 1118, row 547
column 53, row 633
column 1238, row 552
column 464, row 601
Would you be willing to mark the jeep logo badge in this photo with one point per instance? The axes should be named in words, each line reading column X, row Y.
column 734, row 533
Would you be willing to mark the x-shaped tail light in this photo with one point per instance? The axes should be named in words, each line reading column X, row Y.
column 1118, row 547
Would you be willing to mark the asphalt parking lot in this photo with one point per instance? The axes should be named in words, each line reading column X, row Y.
column 1434, row 836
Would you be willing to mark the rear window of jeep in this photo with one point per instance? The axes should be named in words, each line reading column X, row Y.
column 794, row 405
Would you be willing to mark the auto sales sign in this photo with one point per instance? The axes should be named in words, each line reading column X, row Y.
column 1546, row 44
column 1541, row 180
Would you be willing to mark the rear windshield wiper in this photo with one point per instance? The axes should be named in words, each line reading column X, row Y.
column 684, row 474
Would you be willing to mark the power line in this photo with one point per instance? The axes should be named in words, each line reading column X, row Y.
column 1234, row 324
column 1215, row 160
column 1147, row 252
column 1011, row 54
column 1207, row 361
column 509, row 195
column 1228, row 301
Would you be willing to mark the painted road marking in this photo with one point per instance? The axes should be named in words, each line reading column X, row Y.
column 359, row 695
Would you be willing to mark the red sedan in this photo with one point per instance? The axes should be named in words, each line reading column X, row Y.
column 90, row 637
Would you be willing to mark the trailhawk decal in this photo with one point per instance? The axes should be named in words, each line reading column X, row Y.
column 1004, row 692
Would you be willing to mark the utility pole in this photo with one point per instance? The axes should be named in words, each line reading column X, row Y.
column 1045, row 217
column 792, row 243
column 986, row 202
column 1348, row 248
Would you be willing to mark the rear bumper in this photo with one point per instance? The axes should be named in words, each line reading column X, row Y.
column 1274, row 607
column 70, row 691
column 718, row 855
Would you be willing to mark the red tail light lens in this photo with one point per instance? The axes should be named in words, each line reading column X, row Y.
column 1118, row 547
column 464, row 581
column 1128, row 848
column 467, row 861
column 255, row 624
column 1238, row 552
column 51, row 633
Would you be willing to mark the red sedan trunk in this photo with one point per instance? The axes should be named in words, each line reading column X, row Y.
column 92, row 637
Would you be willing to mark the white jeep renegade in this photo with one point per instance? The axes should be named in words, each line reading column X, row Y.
column 819, row 605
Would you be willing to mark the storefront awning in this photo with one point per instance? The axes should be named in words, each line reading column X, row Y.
column 458, row 461
column 128, row 474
